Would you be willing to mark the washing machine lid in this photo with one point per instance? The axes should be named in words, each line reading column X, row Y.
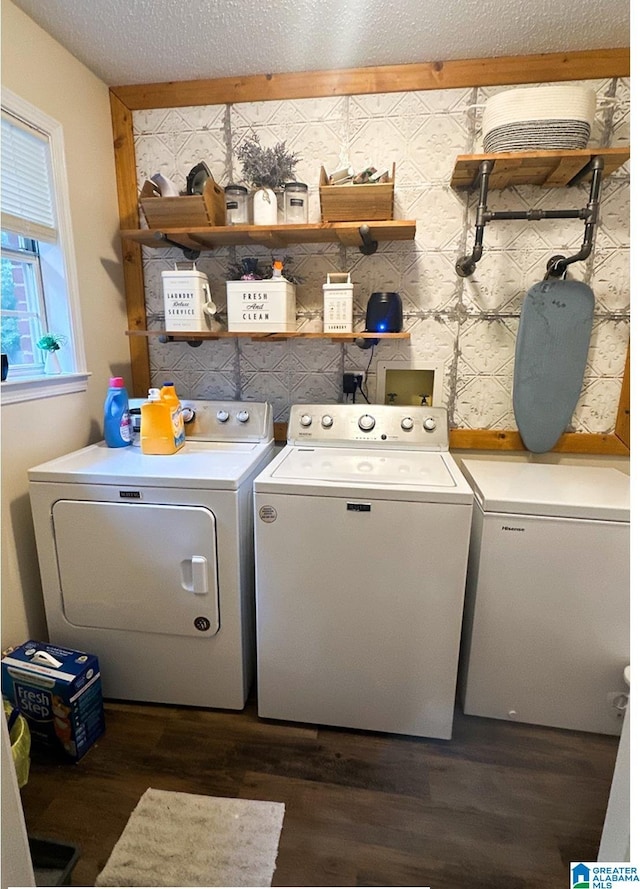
column 210, row 465
column 580, row 492
column 378, row 472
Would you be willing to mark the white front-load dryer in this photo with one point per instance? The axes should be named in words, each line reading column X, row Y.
column 362, row 532
column 147, row 560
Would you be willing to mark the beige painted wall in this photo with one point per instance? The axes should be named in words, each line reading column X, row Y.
column 39, row 430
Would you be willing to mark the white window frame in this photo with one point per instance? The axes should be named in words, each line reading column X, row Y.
column 27, row 389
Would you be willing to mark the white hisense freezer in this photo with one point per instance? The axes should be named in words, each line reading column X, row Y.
column 546, row 626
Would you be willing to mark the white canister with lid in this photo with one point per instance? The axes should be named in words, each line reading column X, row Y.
column 296, row 203
column 237, row 201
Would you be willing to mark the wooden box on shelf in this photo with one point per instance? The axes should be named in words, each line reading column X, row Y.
column 355, row 203
column 188, row 211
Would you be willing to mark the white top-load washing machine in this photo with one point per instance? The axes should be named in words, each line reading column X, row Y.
column 546, row 627
column 362, row 531
column 147, row 560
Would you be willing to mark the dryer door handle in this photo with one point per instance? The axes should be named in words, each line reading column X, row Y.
column 195, row 575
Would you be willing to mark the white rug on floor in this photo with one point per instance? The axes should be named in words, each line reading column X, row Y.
column 183, row 839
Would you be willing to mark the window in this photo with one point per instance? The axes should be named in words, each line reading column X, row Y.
column 39, row 291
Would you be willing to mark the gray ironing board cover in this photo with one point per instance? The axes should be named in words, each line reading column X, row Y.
column 550, row 360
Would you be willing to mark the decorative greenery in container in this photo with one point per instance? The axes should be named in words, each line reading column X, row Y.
column 266, row 169
column 249, row 269
column 51, row 343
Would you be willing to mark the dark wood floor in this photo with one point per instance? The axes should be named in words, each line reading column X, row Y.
column 501, row 806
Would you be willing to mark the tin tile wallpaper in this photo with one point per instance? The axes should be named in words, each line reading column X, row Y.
column 467, row 326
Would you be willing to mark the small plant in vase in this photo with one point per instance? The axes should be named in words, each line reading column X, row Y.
column 266, row 170
column 51, row 343
column 248, row 269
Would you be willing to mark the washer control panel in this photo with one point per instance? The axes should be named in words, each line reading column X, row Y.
column 228, row 420
column 407, row 426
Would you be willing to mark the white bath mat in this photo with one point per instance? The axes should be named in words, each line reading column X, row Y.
column 183, row 839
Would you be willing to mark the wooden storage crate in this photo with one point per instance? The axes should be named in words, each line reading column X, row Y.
column 355, row 203
column 188, row 211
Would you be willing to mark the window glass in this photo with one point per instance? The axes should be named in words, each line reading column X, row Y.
column 23, row 309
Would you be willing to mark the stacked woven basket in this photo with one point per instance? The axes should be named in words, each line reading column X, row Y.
column 539, row 118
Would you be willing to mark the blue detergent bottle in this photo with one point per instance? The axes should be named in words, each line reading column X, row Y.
column 117, row 420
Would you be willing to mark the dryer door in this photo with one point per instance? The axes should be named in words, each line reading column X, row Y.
column 138, row 566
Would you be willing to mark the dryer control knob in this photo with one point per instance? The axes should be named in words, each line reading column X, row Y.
column 305, row 420
column 242, row 416
column 223, row 416
column 429, row 424
column 406, row 424
column 327, row 421
column 366, row 422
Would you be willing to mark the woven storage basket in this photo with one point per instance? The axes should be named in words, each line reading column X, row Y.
column 538, row 118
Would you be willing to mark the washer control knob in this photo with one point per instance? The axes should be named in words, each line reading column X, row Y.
column 366, row 422
column 327, row 421
column 429, row 424
column 223, row 416
column 407, row 424
column 242, row 416
column 305, row 420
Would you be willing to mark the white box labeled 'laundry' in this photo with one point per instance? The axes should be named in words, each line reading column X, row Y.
column 262, row 306
column 186, row 293
column 338, row 303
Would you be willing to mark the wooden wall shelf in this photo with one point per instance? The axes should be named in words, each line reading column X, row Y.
column 208, row 238
column 186, row 336
column 549, row 169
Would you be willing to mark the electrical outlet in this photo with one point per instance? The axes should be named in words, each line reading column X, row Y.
column 350, row 383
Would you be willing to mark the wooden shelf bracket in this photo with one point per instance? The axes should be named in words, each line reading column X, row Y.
column 368, row 246
column 190, row 253
column 557, row 265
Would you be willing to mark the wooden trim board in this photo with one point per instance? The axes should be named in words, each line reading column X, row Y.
column 122, row 124
column 540, row 68
column 491, row 440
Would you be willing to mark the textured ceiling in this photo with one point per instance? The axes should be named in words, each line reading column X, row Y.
column 147, row 41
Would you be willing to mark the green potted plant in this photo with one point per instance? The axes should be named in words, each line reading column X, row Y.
column 266, row 170
column 51, row 343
